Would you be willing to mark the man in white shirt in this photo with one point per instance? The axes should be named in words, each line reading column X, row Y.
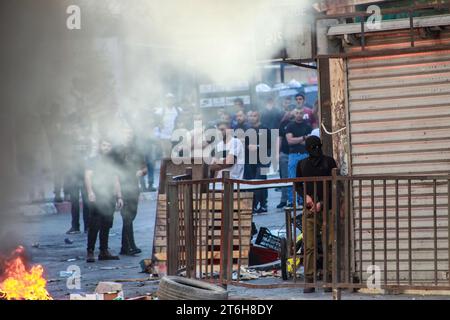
column 167, row 117
column 229, row 154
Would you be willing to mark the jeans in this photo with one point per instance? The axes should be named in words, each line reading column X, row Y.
column 129, row 212
column 284, row 160
column 294, row 159
column 150, row 173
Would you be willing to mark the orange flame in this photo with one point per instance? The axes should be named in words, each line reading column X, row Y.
column 20, row 284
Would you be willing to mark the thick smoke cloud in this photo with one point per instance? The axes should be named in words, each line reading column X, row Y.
column 55, row 80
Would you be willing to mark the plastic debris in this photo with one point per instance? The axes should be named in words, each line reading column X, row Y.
column 66, row 274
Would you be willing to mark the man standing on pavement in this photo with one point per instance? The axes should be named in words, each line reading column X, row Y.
column 296, row 134
column 284, row 155
column 167, row 117
column 316, row 165
column 147, row 143
column 131, row 166
column 256, row 166
column 104, row 193
column 78, row 153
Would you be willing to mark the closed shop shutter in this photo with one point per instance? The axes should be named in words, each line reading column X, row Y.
column 399, row 117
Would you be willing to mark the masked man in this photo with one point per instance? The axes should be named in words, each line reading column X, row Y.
column 316, row 165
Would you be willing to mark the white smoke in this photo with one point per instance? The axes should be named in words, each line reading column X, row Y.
column 118, row 63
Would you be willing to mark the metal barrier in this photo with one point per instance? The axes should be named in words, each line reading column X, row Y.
column 385, row 232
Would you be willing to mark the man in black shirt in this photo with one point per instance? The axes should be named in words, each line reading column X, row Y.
column 104, row 193
column 284, row 155
column 236, row 109
column 131, row 166
column 256, row 170
column 240, row 121
column 296, row 133
column 316, row 165
column 271, row 116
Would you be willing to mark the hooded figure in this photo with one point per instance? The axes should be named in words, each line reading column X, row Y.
column 316, row 165
column 315, row 208
column 313, row 146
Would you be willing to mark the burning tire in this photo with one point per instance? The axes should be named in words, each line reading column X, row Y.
column 178, row 288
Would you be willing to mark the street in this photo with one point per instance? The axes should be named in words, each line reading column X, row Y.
column 45, row 238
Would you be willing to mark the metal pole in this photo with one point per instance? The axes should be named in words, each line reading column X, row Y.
column 172, row 228
column 226, row 230
column 335, row 217
column 189, row 230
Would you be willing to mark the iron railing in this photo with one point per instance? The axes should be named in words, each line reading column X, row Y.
column 386, row 232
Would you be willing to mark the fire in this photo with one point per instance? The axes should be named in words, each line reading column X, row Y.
column 20, row 284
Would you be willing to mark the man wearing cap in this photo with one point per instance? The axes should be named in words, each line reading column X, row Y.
column 316, row 165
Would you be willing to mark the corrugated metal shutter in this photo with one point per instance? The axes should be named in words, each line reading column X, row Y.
column 399, row 117
column 400, row 113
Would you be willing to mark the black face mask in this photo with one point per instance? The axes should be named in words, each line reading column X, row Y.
column 315, row 152
column 313, row 146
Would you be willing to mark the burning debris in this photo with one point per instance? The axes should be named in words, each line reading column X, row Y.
column 18, row 282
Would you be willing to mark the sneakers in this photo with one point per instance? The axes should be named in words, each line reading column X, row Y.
column 262, row 210
column 106, row 255
column 130, row 252
column 281, row 205
column 73, row 231
column 136, row 250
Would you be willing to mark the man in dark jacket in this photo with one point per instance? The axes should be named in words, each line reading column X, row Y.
column 316, row 165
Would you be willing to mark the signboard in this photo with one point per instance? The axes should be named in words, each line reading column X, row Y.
column 223, row 94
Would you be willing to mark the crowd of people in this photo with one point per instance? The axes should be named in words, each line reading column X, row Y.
column 111, row 178
column 294, row 122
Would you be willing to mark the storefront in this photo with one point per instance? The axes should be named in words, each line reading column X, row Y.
column 389, row 88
